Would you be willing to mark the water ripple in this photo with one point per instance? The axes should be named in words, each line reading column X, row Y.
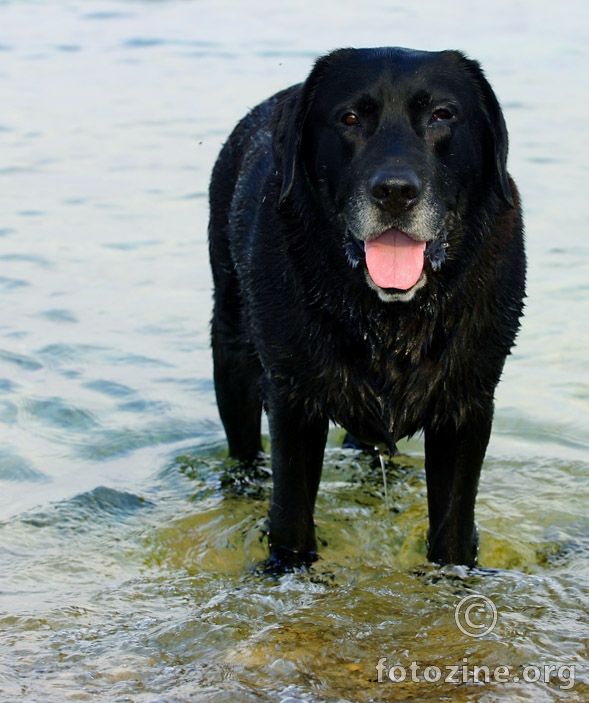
column 59, row 316
column 56, row 412
column 21, row 360
column 9, row 284
column 14, row 467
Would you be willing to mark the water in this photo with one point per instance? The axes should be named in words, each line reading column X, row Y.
column 127, row 561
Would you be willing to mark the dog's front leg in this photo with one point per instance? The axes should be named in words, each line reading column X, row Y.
column 453, row 461
column 297, row 444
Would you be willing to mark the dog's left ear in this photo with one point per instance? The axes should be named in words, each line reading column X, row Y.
column 496, row 128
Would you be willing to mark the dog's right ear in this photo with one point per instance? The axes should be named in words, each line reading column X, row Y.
column 288, row 123
column 289, row 119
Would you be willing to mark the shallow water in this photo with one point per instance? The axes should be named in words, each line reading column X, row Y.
column 127, row 562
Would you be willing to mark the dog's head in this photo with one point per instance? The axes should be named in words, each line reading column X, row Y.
column 397, row 147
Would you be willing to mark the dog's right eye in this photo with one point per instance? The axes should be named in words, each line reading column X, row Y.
column 442, row 114
column 350, row 119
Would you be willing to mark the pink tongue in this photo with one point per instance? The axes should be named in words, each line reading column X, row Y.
column 394, row 260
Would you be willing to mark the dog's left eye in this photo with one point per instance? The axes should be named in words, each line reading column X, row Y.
column 442, row 114
column 350, row 119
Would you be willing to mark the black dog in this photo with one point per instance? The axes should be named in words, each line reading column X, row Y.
column 367, row 252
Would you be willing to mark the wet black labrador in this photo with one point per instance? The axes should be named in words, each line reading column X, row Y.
column 367, row 251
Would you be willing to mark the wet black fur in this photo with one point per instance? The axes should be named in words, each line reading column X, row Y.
column 297, row 328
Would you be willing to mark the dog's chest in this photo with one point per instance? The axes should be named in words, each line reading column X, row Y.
column 380, row 387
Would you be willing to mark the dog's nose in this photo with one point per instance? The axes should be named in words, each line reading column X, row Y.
column 395, row 189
